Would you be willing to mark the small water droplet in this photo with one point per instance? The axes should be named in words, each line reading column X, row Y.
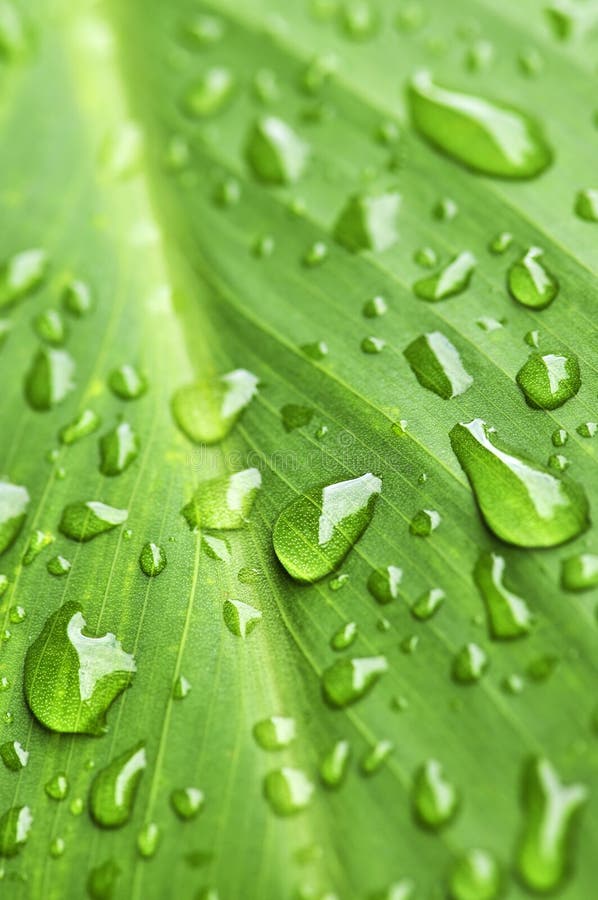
column 479, row 56
column 424, row 522
column 428, row 604
column 315, row 255
column 58, row 566
column 211, row 93
column 240, row 618
column 383, row 584
column 148, row 839
column 445, row 210
column 206, row 410
column 263, row 246
column 375, row 757
column 216, row 547
column 77, row 298
column 530, row 282
column 13, row 755
column 152, row 560
column 294, row 416
column 451, row 280
column 338, row 582
column 288, row 791
column 373, row 345
column 181, row 688
column 469, row 664
column 14, row 500
column 85, row 423
column 204, row 30
column 475, row 875
column 84, row 520
column 359, row 20
column 114, row 788
column 500, row 243
column 374, row 308
column 437, row 365
column 317, row 350
column 548, row 380
column 489, row 324
column 21, row 275
column 223, row 503
column 101, row 881
column 587, row 429
column 348, row 680
column 580, row 572
column 119, row 447
column 434, row 798
column 49, row 327
column 368, row 222
column 275, row 733
column 586, row 205
column 187, row 802
column 49, row 379
column 344, row 637
column 17, row 614
column 227, row 192
column 57, row 787
column 508, row 615
column 57, row 847
column 15, row 825
column 426, row 257
column 275, row 152
column 38, row 541
column 250, row 575
column 334, row 765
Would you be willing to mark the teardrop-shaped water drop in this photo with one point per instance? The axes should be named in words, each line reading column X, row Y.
column 486, row 136
column 437, row 365
column 38, row 542
column 206, row 410
column 580, row 572
column 14, row 500
column 187, row 802
column 240, row 618
column 428, row 604
column 275, row 152
column 383, row 584
column 71, row 678
column 586, row 205
column 368, row 222
column 434, row 798
column 508, row 615
column 288, row 791
column 58, row 566
column 127, row 382
column 223, row 503
column 275, row 733
column 469, row 664
column 375, row 757
column 86, row 519
column 549, row 379
column 211, row 93
column 522, row 502
column 334, row 765
column 57, row 787
column 77, row 299
column 451, row 280
column 21, row 275
column 344, row 637
column 119, row 447
column 148, row 840
column 348, row 680
column 49, row 379
column 13, row 755
column 530, row 282
column 50, row 327
column 152, row 560
column 475, row 875
column 316, row 531
column 114, row 788
column 15, row 825
column 85, row 423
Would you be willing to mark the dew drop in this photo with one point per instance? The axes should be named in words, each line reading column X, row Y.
column 294, row 416
column 21, row 275
column 225, row 502
column 475, row 875
column 77, row 299
column 315, row 255
column 227, row 193
column 205, row 30
column 424, row 522
column 15, row 826
column 275, row 152
column 338, row 582
column 288, row 791
column 383, row 584
column 368, row 222
column 437, row 365
column 469, row 664
column 49, row 327
column 500, row 243
column 434, row 798
column 586, row 205
column 84, row 520
column 148, row 839
column 374, row 308
column 428, row 604
column 127, row 383
column 445, row 210
column 58, row 566
column 101, row 881
column 13, row 755
column 216, row 547
column 530, row 282
column 152, row 560
column 13, row 31
column 508, row 615
column 211, row 93
column 587, row 429
column 344, row 637
column 206, row 411
column 375, row 757
column 359, row 20
column 451, row 280
column 187, row 802
column 426, row 257
column 348, row 680
column 85, row 423
column 250, row 575
column 275, row 733
column 548, row 380
column 49, row 379
column 334, row 765
column 580, row 572
column 240, row 618
column 14, row 500
column 119, row 447
column 113, row 790
column 38, row 542
column 181, row 688
column 373, row 345
column 57, row 787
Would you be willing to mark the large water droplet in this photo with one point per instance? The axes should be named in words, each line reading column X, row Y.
column 475, row 875
column 205, row 411
column 211, row 93
column 113, row 789
column 434, row 798
column 14, row 500
column 451, row 280
column 15, row 825
column 84, row 520
column 288, row 791
column 368, row 222
column 21, row 275
column 437, row 365
column 580, row 572
column 275, row 152
column 522, row 502
column 548, row 379
column 314, row 533
column 275, row 733
column 118, row 449
column 508, row 615
column 348, row 680
column 550, row 811
column 530, row 282
column 223, row 503
column 49, row 379
column 488, row 137
column 71, row 678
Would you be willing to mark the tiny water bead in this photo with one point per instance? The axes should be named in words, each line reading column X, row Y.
column 227, row 192
column 508, row 615
column 587, row 429
column 437, row 365
column 383, row 584
column 127, row 383
column 424, row 522
column 86, row 519
column 211, row 93
column 21, row 275
column 530, row 283
column 348, row 680
column 275, row 733
column 119, row 447
column 488, row 137
column 152, row 560
column 113, row 790
column 4, row 585
column 559, row 437
column 49, row 379
column 428, row 604
column 148, row 840
column 374, row 758
column 445, row 210
column 316, row 531
column 263, row 246
column 49, row 327
column 57, row 787
column 13, row 755
column 475, row 875
column 500, row 243
column 548, row 379
column 374, row 308
column 70, row 678
column 288, row 791
column 344, row 637
column 275, row 152
column 206, row 410
column 77, row 298
column 14, row 500
column 586, row 205
column 15, row 826
column 338, row 582
column 426, row 257
column 489, row 324
column 57, row 847
column 544, row 856
column 295, row 416
column 469, row 664
column 187, row 802
column 240, row 618
column 315, row 255
column 85, row 423
column 580, row 572
column 373, row 345
column 359, row 20
column 451, row 280
column 522, row 502
column 368, row 222
column 434, row 798
column 334, row 765
column 58, row 566
column 223, row 503
column 181, row 688
column 204, row 30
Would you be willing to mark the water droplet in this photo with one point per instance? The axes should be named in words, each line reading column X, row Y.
column 469, row 664
column 187, row 802
column 383, row 584
column 344, row 637
column 445, row 210
column 127, row 383
column 334, row 765
column 14, row 500
column 586, row 205
column 548, row 380
column 177, row 153
column 275, row 152
column 348, row 680
column 223, row 503
column 522, row 502
column 559, row 437
column 205, row 30
column 318, row 71
column 428, row 604
column 294, row 416
column 119, row 447
column 375, row 757
column 368, row 222
column 113, row 790
column 17, row 614
column 315, row 255
column 288, row 791
column 57, row 847
column 181, row 688
column 479, row 56
column 211, row 93
column 216, row 547
column 15, row 825
column 487, row 137
column 426, row 257
column 501, row 243
column 13, row 755
column 57, row 787
column 84, row 520
column 475, row 875
column 558, row 462
column 85, row 423
column 434, row 798
column 49, row 379
column 315, row 532
column 263, row 246
column 21, row 275
column 275, row 733
column 451, row 280
column 373, row 345
column 513, row 684
column 359, row 20
column 77, row 299
column 530, row 282
column 374, row 308
column 508, row 615
column 437, row 365
column 338, row 582
column 265, row 86
column 38, row 541
column 488, row 324
column 58, row 566
column 544, row 855
column 317, row 350
column 148, row 839
column 101, row 881
column 580, row 572
column 205, row 411
column 152, row 560
column 587, row 429
column 13, row 31
column 227, row 193
column 424, row 522
column 240, row 618
column 50, row 327
column 70, row 678
column 249, row 575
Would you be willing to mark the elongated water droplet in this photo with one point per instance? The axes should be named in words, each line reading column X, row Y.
column 275, row 152
column 148, row 840
column 13, row 31
column 522, row 502
column 294, row 416
column 475, row 875
column 485, row 136
column 550, row 809
column 181, row 688
column 127, row 382
column 375, row 757
column 85, row 423
column 211, row 93
column 187, row 802
column 14, row 500
column 451, row 280
column 344, row 637
column 288, row 791
column 334, row 765
column 49, row 379
column 205, row 411
column 240, row 618
column 15, row 825
column 50, row 327
column 14, row 756
column 223, row 503
column 437, row 365
column 548, row 379
column 469, row 664
column 21, row 275
column 368, row 222
column 501, row 243
column 114, row 788
column 397, row 890
column 84, row 520
column 434, row 798
column 38, row 541
column 119, row 447
column 445, row 210
column 428, row 604
column 275, row 733
column 57, row 787
column 530, row 282
column 152, row 560
column 373, row 345
column 70, row 678
column 58, row 566
column 383, row 584
column 315, row 532
column 508, row 615
column 348, row 680
column 580, row 572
